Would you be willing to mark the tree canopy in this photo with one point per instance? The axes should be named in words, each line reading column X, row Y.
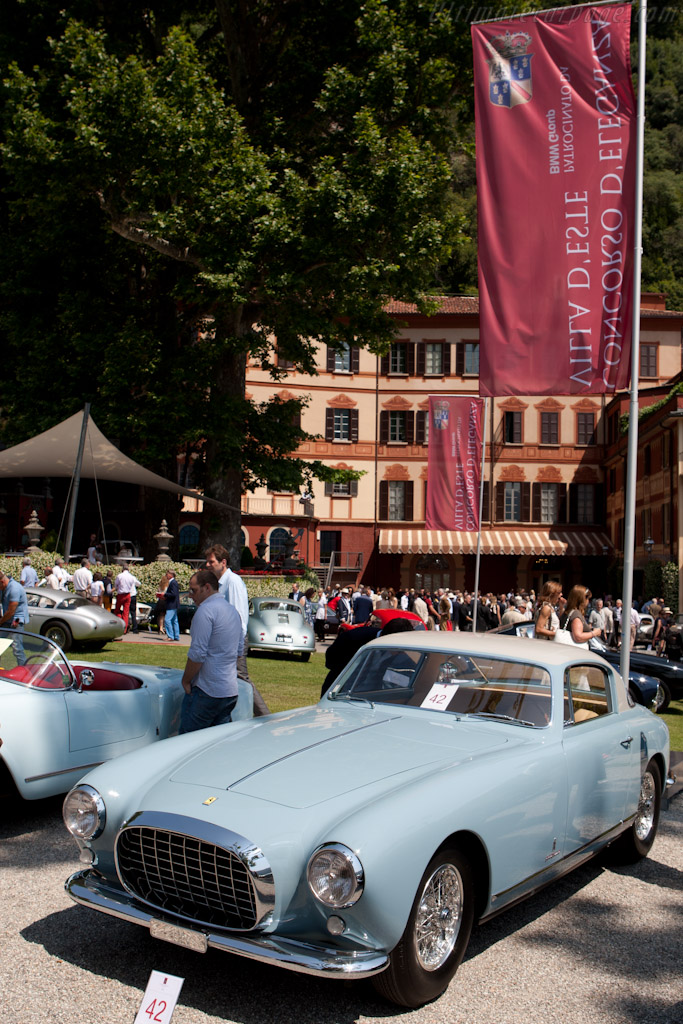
column 185, row 182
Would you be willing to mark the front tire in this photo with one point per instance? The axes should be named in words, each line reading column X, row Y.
column 635, row 843
column 663, row 698
column 436, row 935
column 59, row 633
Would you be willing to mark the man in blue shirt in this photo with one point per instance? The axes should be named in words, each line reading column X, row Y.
column 210, row 676
column 14, row 612
column 232, row 588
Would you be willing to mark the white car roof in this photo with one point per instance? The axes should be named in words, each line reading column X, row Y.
column 515, row 648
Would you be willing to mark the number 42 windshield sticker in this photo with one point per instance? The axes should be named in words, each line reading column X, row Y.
column 440, row 696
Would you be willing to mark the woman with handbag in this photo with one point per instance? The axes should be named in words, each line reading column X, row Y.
column 580, row 631
column 547, row 622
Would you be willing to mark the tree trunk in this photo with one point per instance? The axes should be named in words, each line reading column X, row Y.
column 224, row 472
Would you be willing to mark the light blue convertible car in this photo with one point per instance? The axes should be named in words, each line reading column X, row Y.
column 60, row 718
column 441, row 778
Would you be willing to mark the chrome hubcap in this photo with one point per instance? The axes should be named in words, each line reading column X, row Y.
column 645, row 815
column 439, row 915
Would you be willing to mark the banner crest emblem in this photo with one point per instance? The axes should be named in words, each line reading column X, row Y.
column 510, row 82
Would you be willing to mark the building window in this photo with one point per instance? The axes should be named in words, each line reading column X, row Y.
column 549, row 503
column 666, row 522
column 342, row 360
column 396, row 499
column 512, row 426
column 284, row 363
column 422, row 427
column 188, row 539
column 550, row 422
column 397, row 427
column 467, row 359
column 342, row 425
column 647, row 460
column 585, row 428
column 471, row 353
column 648, row 360
column 433, row 358
column 646, row 520
column 513, row 501
column 398, row 358
column 347, row 489
column 666, row 450
column 612, row 479
column 585, row 503
column 276, row 542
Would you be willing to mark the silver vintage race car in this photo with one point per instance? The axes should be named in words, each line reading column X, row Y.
column 278, row 624
column 68, row 619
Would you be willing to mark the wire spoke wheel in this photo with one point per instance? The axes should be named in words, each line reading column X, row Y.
column 438, row 919
column 647, row 807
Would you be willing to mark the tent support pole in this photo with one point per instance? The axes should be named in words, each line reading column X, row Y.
column 77, row 484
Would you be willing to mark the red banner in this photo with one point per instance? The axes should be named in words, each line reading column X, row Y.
column 556, row 140
column 454, row 472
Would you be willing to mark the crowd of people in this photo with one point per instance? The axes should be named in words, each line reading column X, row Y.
column 458, row 610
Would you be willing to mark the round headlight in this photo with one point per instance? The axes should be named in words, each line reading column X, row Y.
column 335, row 876
column 84, row 813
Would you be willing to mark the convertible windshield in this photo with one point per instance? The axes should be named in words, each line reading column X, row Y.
column 456, row 683
column 32, row 661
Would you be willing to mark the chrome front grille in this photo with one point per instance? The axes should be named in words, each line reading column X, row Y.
column 185, row 875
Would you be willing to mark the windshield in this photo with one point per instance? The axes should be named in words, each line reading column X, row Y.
column 457, row 683
column 280, row 606
column 32, row 661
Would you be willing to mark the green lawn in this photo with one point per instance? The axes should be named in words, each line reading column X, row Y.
column 287, row 682
column 284, row 681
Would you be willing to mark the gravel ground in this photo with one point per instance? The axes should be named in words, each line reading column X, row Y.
column 601, row 946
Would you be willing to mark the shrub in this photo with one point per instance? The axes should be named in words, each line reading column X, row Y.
column 670, row 586
column 150, row 576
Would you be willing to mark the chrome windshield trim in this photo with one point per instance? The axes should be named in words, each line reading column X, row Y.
column 89, row 890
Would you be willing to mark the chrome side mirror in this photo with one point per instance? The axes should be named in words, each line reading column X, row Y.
column 86, row 678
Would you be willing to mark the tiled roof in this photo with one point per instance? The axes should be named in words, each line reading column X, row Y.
column 470, row 304
column 447, row 304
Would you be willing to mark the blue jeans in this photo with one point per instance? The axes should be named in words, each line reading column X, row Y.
column 18, row 644
column 171, row 624
column 199, row 710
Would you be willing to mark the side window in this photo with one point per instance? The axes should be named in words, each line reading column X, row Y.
column 586, row 694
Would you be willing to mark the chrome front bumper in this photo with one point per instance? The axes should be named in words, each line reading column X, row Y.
column 86, row 888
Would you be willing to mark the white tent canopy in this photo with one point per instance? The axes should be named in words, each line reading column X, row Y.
column 55, row 453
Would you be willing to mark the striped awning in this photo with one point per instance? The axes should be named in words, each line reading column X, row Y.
column 494, row 542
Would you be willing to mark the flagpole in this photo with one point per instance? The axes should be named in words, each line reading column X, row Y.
column 531, row 15
column 632, row 454
column 481, row 507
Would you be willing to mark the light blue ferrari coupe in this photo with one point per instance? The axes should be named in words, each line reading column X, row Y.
column 442, row 778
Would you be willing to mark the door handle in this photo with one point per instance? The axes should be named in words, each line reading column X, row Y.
column 627, row 742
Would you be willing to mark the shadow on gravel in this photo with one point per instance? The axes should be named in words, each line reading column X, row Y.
column 215, row 984
column 32, row 833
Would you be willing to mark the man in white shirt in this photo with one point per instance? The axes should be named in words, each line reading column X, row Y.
column 83, row 579
column 124, row 584
column 232, row 588
column 60, row 573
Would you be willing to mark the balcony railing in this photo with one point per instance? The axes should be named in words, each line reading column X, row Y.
column 281, row 505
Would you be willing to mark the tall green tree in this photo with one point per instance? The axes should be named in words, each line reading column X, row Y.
column 185, row 182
